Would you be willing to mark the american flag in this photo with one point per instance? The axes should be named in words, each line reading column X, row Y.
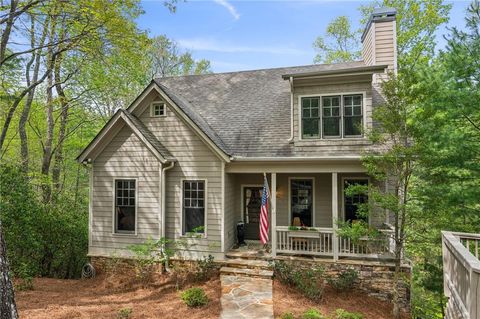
column 264, row 213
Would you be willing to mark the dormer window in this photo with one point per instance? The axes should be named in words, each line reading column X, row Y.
column 332, row 116
column 157, row 109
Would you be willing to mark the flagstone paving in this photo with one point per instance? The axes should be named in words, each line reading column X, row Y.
column 246, row 297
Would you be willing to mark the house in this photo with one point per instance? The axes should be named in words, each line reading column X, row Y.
column 190, row 154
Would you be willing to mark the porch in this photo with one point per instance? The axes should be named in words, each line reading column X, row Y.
column 305, row 211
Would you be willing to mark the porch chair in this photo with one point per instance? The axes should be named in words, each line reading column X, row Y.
column 299, row 241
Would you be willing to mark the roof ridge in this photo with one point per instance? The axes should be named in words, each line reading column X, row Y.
column 253, row 70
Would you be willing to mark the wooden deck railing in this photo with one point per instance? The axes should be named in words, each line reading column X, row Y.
column 321, row 242
column 461, row 274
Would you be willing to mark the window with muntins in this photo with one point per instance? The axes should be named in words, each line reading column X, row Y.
column 157, row 109
column 352, row 115
column 352, row 202
column 335, row 116
column 331, row 116
column 311, row 117
column 125, row 205
column 194, row 206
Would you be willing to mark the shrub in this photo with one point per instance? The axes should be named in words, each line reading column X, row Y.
column 194, row 297
column 312, row 314
column 345, row 280
column 151, row 253
column 206, row 268
column 124, row 313
column 343, row 314
column 287, row 315
column 308, row 281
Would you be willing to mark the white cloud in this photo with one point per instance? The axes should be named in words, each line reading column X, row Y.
column 233, row 11
column 203, row 44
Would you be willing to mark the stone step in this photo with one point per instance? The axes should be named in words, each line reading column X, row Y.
column 245, row 263
column 247, row 272
column 248, row 255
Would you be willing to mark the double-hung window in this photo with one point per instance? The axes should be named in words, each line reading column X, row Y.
column 311, row 117
column 194, row 206
column 332, row 116
column 125, row 205
column 352, row 115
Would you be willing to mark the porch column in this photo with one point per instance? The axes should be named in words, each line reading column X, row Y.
column 274, row 214
column 335, row 215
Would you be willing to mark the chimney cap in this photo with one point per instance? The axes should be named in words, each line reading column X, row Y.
column 379, row 14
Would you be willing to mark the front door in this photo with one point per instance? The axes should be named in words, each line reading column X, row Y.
column 252, row 201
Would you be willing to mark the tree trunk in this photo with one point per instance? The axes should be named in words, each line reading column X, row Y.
column 8, row 308
column 36, row 55
column 8, row 29
column 58, row 162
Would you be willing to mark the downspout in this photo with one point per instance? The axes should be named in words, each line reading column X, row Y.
column 163, row 204
column 290, row 140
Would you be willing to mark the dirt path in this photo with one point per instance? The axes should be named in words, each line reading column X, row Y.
column 53, row 298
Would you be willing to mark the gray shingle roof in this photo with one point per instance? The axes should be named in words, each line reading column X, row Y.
column 245, row 113
column 149, row 136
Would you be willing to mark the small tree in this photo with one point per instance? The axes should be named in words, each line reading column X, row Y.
column 393, row 161
column 340, row 43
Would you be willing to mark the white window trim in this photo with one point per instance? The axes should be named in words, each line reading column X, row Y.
column 182, row 212
column 290, row 198
column 152, row 109
column 242, row 193
column 358, row 178
column 114, row 197
column 342, row 136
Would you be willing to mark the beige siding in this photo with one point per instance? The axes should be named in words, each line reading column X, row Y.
column 124, row 157
column 195, row 161
column 322, row 147
column 385, row 43
column 368, row 50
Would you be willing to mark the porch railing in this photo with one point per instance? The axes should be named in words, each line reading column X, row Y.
column 321, row 242
column 461, row 274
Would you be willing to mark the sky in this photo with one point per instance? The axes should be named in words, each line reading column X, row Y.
column 245, row 35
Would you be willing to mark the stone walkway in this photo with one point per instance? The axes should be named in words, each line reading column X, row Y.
column 246, row 297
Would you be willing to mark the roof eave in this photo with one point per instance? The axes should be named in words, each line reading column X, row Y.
column 362, row 69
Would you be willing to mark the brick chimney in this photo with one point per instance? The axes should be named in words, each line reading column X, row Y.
column 379, row 39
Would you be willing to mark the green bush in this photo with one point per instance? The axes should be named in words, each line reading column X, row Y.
column 345, row 280
column 343, row 314
column 124, row 313
column 43, row 238
column 309, row 281
column 206, row 267
column 287, row 315
column 194, row 297
column 312, row 314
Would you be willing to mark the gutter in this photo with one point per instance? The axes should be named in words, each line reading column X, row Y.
column 162, row 197
column 163, row 204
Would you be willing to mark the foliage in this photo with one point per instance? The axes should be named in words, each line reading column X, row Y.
column 293, row 228
column 194, row 297
column 343, row 314
column 206, row 267
column 124, row 313
column 417, row 22
column 358, row 231
column 309, row 281
column 339, row 44
column 287, row 315
column 345, row 280
column 152, row 253
column 53, row 237
column 312, row 314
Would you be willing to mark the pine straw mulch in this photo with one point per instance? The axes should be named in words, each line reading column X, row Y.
column 103, row 297
column 287, row 299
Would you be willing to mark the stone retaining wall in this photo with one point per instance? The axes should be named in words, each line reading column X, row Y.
column 376, row 279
